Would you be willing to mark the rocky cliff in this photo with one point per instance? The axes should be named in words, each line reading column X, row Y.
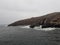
column 48, row 20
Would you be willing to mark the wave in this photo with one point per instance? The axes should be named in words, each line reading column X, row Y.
column 39, row 28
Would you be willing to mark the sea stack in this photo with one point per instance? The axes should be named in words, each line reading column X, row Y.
column 48, row 20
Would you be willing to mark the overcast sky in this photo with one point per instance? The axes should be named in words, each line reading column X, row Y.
column 13, row 10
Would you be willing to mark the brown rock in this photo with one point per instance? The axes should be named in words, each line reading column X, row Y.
column 49, row 20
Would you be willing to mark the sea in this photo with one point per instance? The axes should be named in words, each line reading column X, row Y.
column 23, row 35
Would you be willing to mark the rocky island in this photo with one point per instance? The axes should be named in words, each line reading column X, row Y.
column 48, row 20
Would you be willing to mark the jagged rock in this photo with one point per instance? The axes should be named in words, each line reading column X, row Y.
column 49, row 20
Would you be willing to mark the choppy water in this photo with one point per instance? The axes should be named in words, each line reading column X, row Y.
column 27, row 36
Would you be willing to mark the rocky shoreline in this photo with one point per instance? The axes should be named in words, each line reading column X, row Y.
column 48, row 20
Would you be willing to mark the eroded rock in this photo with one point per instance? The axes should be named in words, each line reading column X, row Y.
column 49, row 20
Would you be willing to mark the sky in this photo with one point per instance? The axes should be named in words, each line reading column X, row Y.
column 14, row 10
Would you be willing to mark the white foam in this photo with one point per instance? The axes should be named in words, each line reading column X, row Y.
column 46, row 29
column 39, row 28
column 25, row 26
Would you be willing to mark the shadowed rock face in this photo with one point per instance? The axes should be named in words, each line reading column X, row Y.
column 49, row 20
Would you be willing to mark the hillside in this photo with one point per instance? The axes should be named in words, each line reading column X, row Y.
column 50, row 20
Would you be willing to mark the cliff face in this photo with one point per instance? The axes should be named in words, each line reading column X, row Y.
column 49, row 20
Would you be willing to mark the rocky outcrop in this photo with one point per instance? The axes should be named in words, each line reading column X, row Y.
column 49, row 20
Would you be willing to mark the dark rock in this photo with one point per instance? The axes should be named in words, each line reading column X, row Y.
column 49, row 20
column 32, row 26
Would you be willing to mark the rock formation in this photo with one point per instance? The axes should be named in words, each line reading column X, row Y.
column 49, row 20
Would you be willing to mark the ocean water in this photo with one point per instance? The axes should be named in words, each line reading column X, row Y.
column 27, row 36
